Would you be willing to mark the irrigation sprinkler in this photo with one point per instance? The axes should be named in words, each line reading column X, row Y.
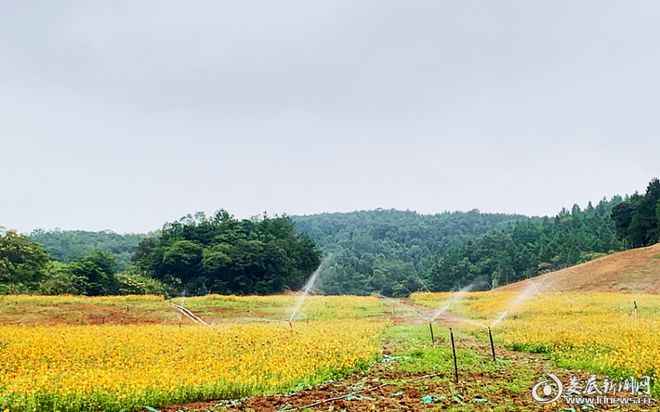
column 432, row 337
column 453, row 351
column 455, row 298
column 492, row 345
column 306, row 290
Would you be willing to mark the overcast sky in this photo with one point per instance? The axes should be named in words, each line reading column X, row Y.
column 125, row 114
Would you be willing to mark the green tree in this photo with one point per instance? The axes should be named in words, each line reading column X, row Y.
column 96, row 271
column 390, row 252
column 637, row 218
column 220, row 254
column 527, row 247
column 23, row 263
column 60, row 281
column 68, row 245
column 181, row 259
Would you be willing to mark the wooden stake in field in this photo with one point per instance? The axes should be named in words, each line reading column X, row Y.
column 492, row 345
column 453, row 351
column 432, row 337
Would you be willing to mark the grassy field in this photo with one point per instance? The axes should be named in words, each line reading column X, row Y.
column 125, row 353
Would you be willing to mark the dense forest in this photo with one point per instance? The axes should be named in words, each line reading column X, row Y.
column 637, row 219
column 69, row 245
column 390, row 252
column 527, row 248
column 386, row 252
column 220, row 254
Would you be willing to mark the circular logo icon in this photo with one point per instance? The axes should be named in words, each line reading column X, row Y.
column 548, row 391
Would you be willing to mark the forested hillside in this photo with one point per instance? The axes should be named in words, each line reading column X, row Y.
column 69, row 245
column 637, row 218
column 389, row 251
column 528, row 247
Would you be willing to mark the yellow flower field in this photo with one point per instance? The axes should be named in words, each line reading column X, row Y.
column 596, row 332
column 114, row 367
column 72, row 353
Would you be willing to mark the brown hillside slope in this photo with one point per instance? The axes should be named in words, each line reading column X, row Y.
column 631, row 271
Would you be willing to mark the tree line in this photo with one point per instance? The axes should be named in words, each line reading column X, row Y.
column 528, row 247
column 220, row 254
column 386, row 252
column 195, row 255
column 68, row 245
column 26, row 267
column 637, row 218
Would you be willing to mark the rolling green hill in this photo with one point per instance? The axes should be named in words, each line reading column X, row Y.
column 68, row 245
column 391, row 252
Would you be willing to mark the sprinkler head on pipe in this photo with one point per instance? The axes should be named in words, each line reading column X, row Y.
column 453, row 351
column 432, row 337
column 492, row 345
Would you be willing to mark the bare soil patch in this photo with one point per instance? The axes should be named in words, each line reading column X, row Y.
column 630, row 271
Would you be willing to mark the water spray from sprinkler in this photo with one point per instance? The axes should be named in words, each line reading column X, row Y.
column 472, row 322
column 523, row 295
column 305, row 291
column 455, row 298
column 407, row 308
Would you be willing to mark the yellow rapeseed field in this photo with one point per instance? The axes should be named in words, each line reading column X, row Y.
column 114, row 367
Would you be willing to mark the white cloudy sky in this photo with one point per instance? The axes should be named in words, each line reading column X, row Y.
column 122, row 114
